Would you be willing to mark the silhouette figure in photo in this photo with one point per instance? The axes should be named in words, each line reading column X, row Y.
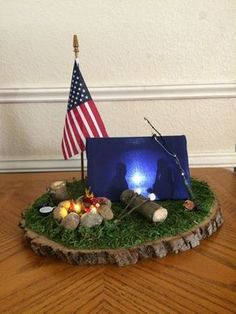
column 118, row 183
column 164, row 184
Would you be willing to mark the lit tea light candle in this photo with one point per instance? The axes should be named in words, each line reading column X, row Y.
column 58, row 191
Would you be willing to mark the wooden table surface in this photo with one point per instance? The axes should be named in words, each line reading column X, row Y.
column 201, row 280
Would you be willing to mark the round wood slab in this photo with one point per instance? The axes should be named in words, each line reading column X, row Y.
column 159, row 248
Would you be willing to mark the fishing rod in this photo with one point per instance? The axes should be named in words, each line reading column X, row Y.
column 165, row 147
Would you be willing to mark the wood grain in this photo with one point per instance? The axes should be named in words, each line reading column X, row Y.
column 202, row 280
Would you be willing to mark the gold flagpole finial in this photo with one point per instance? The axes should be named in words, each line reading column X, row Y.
column 76, row 45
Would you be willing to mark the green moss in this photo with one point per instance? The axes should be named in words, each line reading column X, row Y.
column 132, row 230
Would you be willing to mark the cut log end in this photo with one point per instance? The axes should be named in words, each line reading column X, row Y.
column 160, row 215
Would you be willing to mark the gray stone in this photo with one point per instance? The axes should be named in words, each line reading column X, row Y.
column 71, row 221
column 91, row 219
column 104, row 201
column 106, row 212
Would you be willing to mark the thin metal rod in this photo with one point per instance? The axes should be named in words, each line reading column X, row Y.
column 169, row 152
column 152, row 126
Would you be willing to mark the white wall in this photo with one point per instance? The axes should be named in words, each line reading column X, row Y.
column 122, row 43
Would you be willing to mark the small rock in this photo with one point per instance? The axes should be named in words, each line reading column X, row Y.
column 71, row 221
column 59, row 213
column 104, row 201
column 91, row 219
column 105, row 211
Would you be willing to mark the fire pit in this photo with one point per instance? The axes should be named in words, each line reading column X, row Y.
column 87, row 210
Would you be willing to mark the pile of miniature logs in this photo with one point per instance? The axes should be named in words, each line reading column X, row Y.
column 87, row 211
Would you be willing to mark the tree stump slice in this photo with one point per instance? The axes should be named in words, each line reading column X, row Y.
column 156, row 248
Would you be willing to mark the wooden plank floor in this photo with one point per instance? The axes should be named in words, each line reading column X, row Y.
column 202, row 280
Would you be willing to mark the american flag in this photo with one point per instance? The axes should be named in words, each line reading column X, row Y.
column 82, row 119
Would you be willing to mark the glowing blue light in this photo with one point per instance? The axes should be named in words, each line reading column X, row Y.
column 137, row 178
column 138, row 190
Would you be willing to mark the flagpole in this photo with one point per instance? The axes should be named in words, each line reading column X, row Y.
column 76, row 51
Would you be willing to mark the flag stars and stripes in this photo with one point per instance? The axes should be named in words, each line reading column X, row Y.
column 82, row 119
